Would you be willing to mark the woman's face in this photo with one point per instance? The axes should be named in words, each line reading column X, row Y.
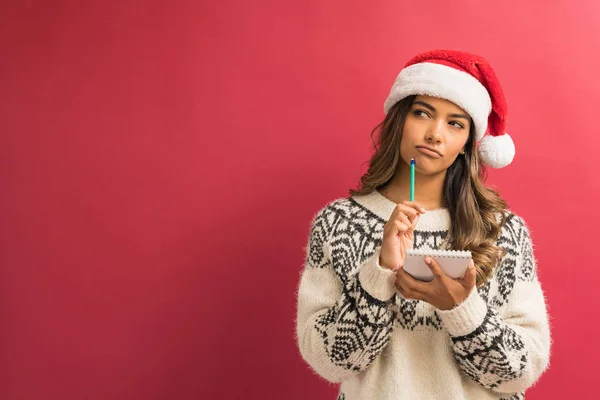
column 435, row 132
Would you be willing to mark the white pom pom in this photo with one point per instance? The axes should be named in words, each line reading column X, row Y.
column 497, row 151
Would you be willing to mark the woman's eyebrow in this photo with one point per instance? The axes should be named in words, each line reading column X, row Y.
column 460, row 116
column 426, row 105
column 432, row 108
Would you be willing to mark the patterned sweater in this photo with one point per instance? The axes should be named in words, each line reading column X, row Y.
column 354, row 328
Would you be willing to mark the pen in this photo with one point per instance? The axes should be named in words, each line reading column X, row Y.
column 412, row 179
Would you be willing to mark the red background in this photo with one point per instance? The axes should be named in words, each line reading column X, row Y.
column 161, row 162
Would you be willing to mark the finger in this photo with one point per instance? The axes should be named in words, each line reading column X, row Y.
column 399, row 215
column 470, row 277
column 394, row 217
column 414, row 222
column 435, row 268
column 400, row 227
column 405, row 290
column 401, row 279
column 392, row 220
column 407, row 294
column 411, row 284
column 411, row 212
column 415, row 206
column 410, row 209
column 401, row 287
column 405, row 220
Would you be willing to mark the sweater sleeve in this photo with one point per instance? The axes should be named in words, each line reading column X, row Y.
column 504, row 351
column 343, row 323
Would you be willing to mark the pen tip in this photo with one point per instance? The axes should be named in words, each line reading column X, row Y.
column 412, row 160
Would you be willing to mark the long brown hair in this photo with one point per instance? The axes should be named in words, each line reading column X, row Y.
column 477, row 212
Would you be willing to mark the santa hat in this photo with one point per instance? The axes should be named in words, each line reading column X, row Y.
column 468, row 81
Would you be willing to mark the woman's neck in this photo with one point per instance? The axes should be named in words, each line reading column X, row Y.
column 429, row 189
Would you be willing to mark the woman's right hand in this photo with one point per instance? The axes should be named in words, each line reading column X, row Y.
column 398, row 234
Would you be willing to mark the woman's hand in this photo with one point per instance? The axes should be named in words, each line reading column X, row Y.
column 443, row 292
column 398, row 234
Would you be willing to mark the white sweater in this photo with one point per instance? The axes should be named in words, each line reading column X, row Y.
column 354, row 328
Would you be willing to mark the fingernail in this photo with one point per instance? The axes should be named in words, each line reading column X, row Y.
column 422, row 209
column 427, row 260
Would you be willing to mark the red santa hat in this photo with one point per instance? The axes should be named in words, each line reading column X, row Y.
column 468, row 81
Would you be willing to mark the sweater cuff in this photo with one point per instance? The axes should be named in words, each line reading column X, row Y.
column 465, row 317
column 376, row 280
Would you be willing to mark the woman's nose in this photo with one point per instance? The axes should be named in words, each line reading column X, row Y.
column 434, row 134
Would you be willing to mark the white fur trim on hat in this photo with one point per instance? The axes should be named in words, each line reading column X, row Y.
column 445, row 82
column 497, row 151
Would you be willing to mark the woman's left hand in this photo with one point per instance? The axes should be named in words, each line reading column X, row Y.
column 443, row 292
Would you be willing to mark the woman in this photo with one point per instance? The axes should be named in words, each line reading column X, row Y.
column 364, row 322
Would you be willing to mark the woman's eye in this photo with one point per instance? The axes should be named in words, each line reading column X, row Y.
column 420, row 113
column 457, row 124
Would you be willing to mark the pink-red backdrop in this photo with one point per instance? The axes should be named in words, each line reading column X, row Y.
column 161, row 162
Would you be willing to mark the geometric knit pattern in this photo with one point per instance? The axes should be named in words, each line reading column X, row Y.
column 492, row 354
column 357, row 328
column 354, row 233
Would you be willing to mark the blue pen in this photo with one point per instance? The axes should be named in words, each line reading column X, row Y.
column 412, row 179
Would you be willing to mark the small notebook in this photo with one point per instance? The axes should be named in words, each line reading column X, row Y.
column 453, row 262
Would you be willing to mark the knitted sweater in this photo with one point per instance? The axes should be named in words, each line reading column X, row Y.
column 354, row 328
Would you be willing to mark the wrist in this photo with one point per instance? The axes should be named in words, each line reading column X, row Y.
column 453, row 302
column 377, row 280
column 384, row 264
column 465, row 317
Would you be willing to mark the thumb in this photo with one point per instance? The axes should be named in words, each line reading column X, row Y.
column 470, row 277
column 414, row 222
column 411, row 231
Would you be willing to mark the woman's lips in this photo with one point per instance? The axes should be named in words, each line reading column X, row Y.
column 428, row 152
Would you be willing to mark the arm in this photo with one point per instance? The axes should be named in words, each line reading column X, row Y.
column 506, row 352
column 342, row 326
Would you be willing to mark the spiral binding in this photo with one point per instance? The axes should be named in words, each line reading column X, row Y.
column 441, row 253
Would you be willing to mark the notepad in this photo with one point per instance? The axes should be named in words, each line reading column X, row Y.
column 453, row 262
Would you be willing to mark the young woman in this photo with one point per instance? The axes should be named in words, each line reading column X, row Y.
column 363, row 321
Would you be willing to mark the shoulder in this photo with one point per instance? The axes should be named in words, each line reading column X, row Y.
column 345, row 215
column 321, row 227
column 343, row 207
column 515, row 238
column 515, row 229
column 323, row 220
